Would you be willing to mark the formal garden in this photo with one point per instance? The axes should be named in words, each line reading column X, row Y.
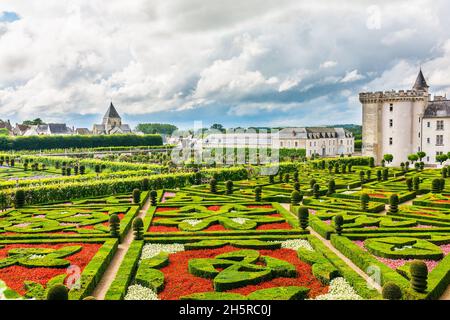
column 326, row 229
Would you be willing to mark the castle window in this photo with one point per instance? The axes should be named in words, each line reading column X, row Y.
column 429, row 124
column 419, row 134
column 428, row 140
column 391, row 107
column 440, row 125
column 296, row 143
column 439, row 140
column 391, row 123
column 391, row 141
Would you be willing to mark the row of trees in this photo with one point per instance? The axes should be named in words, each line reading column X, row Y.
column 77, row 141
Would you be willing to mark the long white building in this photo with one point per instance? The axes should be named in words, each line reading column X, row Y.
column 320, row 141
column 405, row 122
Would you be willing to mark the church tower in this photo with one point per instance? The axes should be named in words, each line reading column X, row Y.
column 392, row 121
column 111, row 118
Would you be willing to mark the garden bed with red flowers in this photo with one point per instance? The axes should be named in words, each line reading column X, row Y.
column 29, row 269
column 223, row 217
column 180, row 282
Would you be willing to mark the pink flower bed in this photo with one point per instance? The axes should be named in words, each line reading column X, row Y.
column 445, row 248
column 422, row 226
column 327, row 222
column 167, row 195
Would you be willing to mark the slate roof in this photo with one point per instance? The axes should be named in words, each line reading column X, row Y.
column 59, row 128
column 437, row 109
column 421, row 83
column 314, row 133
column 111, row 112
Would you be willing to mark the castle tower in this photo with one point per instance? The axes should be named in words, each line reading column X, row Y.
column 392, row 121
column 111, row 118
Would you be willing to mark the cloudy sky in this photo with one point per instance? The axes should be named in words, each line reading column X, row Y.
column 236, row 62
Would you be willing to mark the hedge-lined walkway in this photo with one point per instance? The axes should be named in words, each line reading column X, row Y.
column 341, row 256
column 110, row 273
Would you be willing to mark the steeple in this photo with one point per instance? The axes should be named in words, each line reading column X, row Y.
column 421, row 83
column 111, row 112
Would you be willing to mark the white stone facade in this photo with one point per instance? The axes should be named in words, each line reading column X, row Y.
column 405, row 122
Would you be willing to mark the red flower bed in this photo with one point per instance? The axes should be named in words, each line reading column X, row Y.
column 180, row 282
column 213, row 208
column 14, row 276
column 162, row 209
column 272, row 226
column 259, row 206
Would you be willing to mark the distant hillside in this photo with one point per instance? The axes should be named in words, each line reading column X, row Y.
column 356, row 129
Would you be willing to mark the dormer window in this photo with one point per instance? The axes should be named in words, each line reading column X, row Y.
column 391, row 107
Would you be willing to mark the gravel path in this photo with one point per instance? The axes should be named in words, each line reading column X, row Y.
column 340, row 255
column 111, row 271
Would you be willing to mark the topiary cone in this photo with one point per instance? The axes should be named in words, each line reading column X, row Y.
column 303, row 217
column 138, row 227
column 419, row 276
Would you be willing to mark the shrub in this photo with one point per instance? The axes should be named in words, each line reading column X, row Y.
column 419, row 275
column 312, row 182
column 229, row 186
column 316, row 191
column 89, row 298
column 416, row 182
column 153, row 195
column 286, row 178
column 369, row 174
column 82, row 169
column 68, row 171
column 371, row 162
column 364, row 201
column 198, row 178
column 258, row 192
column 58, row 292
column 303, row 217
column 441, row 184
column 136, row 196
column 213, row 185
column 114, row 225
column 297, row 186
column 295, row 198
column 336, row 168
column 361, row 176
column 138, row 228
column 409, row 184
column 19, row 198
column 379, row 177
column 338, row 223
column 391, row 291
column 393, row 203
column 296, row 176
column 145, row 184
column 444, row 172
column 435, row 186
column 331, row 187
column 271, row 179
column 97, row 168
column 385, row 174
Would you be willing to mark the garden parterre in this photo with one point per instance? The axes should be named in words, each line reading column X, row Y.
column 228, row 233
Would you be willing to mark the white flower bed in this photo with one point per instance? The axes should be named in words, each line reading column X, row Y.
column 296, row 244
column 239, row 220
column 340, row 289
column 138, row 292
column 152, row 249
column 192, row 222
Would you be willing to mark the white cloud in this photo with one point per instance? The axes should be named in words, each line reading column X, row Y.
column 328, row 64
column 352, row 76
column 152, row 56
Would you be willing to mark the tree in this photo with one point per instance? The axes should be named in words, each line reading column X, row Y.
column 421, row 155
column 295, row 198
column 331, row 187
column 217, row 126
column 441, row 158
column 58, row 292
column 4, row 132
column 388, row 158
column 229, row 187
column 136, row 196
column 19, row 199
column 213, row 185
column 393, row 203
column 419, row 275
column 413, row 158
column 138, row 228
column 316, row 191
column 114, row 225
column 338, row 223
column 364, row 201
column 37, row 121
column 153, row 128
column 258, row 192
column 409, row 184
column 153, row 195
column 303, row 217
